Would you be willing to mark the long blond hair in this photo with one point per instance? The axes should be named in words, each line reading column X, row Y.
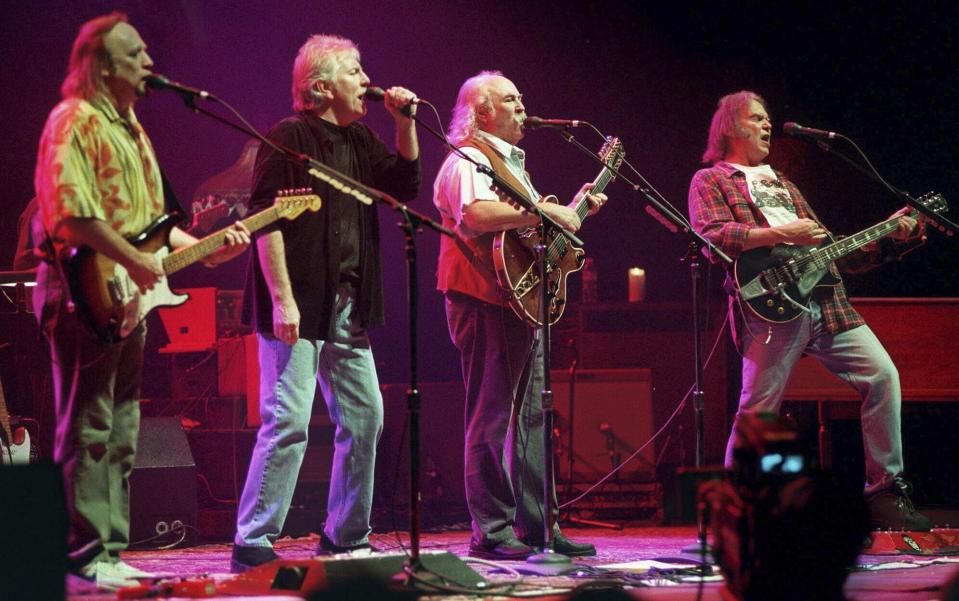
column 90, row 58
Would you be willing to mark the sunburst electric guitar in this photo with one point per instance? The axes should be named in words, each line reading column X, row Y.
column 514, row 253
column 111, row 303
column 776, row 282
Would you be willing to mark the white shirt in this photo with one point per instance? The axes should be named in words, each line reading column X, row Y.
column 769, row 194
column 458, row 184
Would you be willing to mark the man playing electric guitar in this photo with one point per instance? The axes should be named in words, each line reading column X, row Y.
column 97, row 181
column 740, row 203
column 501, row 353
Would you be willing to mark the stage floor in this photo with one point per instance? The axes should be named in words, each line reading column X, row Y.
column 910, row 578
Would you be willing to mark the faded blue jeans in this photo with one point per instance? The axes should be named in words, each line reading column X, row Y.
column 346, row 373
column 856, row 356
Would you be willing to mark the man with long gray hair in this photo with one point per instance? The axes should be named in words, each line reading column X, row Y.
column 98, row 184
column 501, row 354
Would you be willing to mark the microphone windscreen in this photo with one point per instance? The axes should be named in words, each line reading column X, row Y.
column 374, row 93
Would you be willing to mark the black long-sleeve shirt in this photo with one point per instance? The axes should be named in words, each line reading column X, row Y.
column 338, row 242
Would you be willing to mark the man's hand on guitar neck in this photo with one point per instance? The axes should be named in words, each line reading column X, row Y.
column 596, row 201
column 907, row 224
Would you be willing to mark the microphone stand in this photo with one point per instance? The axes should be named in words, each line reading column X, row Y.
column 410, row 224
column 942, row 223
column 674, row 221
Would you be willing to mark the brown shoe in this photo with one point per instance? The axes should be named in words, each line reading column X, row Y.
column 891, row 509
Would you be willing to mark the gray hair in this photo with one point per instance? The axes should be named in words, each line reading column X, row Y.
column 473, row 95
column 317, row 60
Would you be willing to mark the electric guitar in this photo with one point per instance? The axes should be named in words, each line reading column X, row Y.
column 14, row 443
column 776, row 282
column 111, row 303
column 514, row 252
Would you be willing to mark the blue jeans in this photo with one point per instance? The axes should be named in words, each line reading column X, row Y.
column 346, row 373
column 856, row 356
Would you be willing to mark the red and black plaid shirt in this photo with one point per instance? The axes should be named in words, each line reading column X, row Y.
column 722, row 212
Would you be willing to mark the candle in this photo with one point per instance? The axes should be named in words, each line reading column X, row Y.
column 637, row 284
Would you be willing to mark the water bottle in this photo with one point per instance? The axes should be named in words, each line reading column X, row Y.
column 590, row 291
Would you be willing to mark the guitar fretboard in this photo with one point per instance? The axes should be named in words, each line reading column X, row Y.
column 184, row 257
column 827, row 254
column 581, row 204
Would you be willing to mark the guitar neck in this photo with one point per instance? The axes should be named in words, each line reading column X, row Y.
column 5, row 417
column 581, row 204
column 837, row 250
column 188, row 255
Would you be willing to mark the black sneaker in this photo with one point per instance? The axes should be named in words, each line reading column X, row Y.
column 245, row 558
column 891, row 509
column 328, row 547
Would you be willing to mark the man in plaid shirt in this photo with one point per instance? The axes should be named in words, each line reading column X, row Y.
column 740, row 203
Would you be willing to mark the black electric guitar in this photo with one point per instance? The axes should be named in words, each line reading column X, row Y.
column 514, row 254
column 111, row 303
column 776, row 282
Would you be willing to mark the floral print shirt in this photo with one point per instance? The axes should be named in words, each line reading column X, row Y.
column 95, row 163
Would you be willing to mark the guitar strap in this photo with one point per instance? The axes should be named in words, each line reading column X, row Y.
column 478, row 251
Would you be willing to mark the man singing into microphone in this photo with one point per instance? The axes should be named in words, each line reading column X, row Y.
column 501, row 354
column 314, row 287
column 740, row 203
column 97, row 183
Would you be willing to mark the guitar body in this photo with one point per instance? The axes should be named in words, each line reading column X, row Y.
column 776, row 282
column 106, row 296
column 517, row 270
column 770, row 278
column 515, row 260
column 19, row 451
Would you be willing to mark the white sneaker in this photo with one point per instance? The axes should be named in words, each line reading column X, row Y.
column 103, row 574
column 127, row 571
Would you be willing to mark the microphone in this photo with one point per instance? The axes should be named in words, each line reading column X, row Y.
column 794, row 129
column 158, row 82
column 376, row 93
column 535, row 122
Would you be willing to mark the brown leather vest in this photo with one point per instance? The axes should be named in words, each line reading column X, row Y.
column 466, row 265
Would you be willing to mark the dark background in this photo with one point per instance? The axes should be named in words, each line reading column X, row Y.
column 883, row 75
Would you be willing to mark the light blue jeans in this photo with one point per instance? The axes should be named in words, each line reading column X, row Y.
column 346, row 373
column 856, row 356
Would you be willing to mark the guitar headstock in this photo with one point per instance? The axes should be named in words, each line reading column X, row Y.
column 933, row 204
column 612, row 153
column 290, row 204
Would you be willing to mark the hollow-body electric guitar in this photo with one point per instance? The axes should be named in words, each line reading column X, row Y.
column 776, row 282
column 514, row 253
column 111, row 303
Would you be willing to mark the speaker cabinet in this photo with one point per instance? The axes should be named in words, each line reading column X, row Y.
column 33, row 556
column 162, row 485
column 611, row 416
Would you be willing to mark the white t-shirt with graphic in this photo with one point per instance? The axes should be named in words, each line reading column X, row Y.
column 769, row 194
